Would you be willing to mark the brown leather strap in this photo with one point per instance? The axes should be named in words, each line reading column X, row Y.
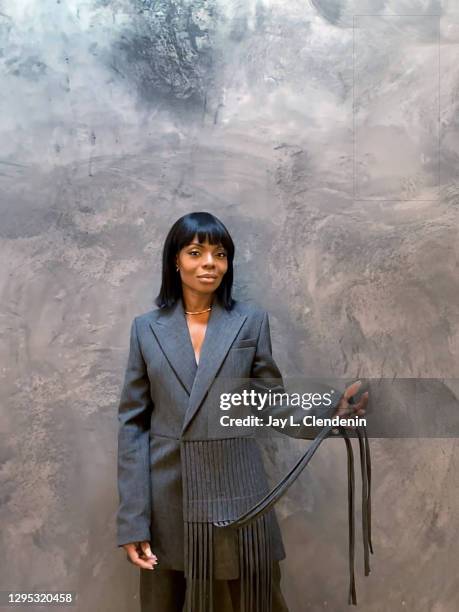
column 368, row 459
column 352, row 598
column 281, row 488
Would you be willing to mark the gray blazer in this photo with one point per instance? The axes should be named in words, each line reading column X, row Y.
column 165, row 400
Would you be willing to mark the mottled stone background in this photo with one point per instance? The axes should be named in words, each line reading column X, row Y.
column 325, row 135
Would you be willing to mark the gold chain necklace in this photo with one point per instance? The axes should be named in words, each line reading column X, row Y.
column 199, row 311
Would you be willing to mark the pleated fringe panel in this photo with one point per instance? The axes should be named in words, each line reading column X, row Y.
column 222, row 479
column 256, row 567
column 198, row 567
column 223, row 483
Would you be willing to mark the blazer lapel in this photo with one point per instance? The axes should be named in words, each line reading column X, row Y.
column 222, row 327
column 171, row 331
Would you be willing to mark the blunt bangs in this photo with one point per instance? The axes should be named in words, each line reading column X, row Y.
column 205, row 226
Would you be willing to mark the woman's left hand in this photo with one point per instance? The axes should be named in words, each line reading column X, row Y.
column 345, row 409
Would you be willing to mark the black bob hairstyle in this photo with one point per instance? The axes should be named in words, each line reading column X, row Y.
column 205, row 226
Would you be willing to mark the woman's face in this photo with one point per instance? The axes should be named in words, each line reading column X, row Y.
column 202, row 265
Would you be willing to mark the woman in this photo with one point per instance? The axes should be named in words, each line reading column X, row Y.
column 175, row 484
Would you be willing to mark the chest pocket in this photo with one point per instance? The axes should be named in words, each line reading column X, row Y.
column 241, row 357
column 246, row 343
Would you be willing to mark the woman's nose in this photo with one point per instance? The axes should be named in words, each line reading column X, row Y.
column 209, row 260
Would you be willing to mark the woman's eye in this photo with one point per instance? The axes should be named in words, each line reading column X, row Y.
column 221, row 254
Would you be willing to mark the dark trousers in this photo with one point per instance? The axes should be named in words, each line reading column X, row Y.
column 164, row 591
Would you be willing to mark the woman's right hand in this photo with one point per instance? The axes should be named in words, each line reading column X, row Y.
column 139, row 553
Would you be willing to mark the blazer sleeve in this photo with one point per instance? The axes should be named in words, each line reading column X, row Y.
column 134, row 484
column 267, row 377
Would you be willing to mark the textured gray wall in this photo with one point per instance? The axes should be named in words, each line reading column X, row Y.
column 327, row 141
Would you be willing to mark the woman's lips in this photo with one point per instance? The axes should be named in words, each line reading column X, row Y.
column 207, row 279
